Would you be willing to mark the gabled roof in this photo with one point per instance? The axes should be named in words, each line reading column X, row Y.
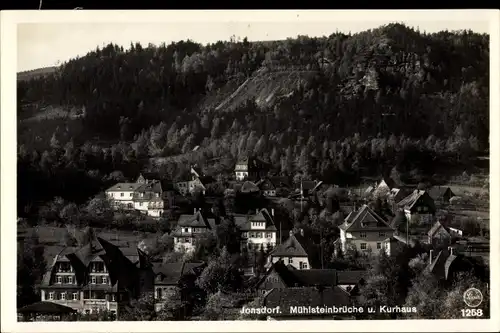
column 442, row 264
column 172, row 273
column 308, row 296
column 244, row 221
column 350, row 277
column 365, row 219
column 196, row 220
column 438, row 192
column 412, row 199
column 121, row 187
column 249, row 187
column 435, row 228
column 46, row 308
column 294, row 246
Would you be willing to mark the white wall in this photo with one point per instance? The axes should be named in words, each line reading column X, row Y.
column 295, row 261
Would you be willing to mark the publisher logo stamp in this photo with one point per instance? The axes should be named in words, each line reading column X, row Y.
column 473, row 297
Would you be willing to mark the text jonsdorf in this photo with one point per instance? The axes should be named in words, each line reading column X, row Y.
column 329, row 309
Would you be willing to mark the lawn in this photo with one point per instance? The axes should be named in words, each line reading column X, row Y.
column 53, row 238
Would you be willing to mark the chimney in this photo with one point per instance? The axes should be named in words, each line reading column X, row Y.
column 302, row 232
column 272, row 212
column 430, row 256
column 195, row 210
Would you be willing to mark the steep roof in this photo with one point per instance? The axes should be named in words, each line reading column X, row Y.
column 308, row 296
column 294, row 246
column 196, row 220
column 249, row 187
column 120, row 187
column 435, row 228
column 412, row 199
column 46, row 308
column 244, row 221
column 171, row 273
column 442, row 264
column 365, row 219
column 350, row 277
column 438, row 192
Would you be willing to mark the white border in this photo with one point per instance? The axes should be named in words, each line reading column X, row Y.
column 9, row 21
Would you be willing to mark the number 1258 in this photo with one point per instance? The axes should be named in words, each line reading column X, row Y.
column 472, row 312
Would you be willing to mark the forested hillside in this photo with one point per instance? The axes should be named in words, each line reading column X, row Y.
column 389, row 100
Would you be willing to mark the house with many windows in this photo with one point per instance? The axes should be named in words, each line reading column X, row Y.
column 257, row 230
column 148, row 195
column 189, row 228
column 250, row 168
column 195, row 182
column 364, row 230
column 98, row 276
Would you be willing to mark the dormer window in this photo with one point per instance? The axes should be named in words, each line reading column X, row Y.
column 362, row 234
column 93, row 281
column 363, row 224
column 59, row 279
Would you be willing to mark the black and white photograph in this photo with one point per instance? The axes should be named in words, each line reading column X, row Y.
column 251, row 169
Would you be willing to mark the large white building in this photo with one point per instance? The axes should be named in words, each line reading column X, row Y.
column 293, row 251
column 257, row 230
column 145, row 195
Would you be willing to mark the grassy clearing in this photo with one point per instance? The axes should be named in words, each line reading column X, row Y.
column 53, row 238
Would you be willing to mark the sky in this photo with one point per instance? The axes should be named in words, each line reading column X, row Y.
column 42, row 44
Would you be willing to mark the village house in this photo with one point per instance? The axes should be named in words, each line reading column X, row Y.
column 441, row 194
column 447, row 263
column 364, row 230
column 98, row 276
column 439, row 235
column 293, row 251
column 257, row 230
column 280, row 275
column 170, row 277
column 189, row 228
column 121, row 195
column 195, row 182
column 274, row 186
column 250, row 168
column 418, row 207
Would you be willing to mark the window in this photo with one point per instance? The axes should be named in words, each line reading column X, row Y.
column 93, row 280
column 59, row 279
column 159, row 293
column 290, row 260
column 186, row 229
column 104, row 280
column 70, row 279
column 129, row 205
column 113, row 298
column 140, row 204
column 130, row 194
column 187, row 240
column 51, row 295
column 425, row 208
column 379, row 246
column 362, row 234
column 363, row 246
column 63, row 296
column 121, row 194
column 259, row 235
column 269, row 235
column 75, row 296
column 381, row 234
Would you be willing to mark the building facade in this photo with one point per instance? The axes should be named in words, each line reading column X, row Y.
column 257, row 230
column 292, row 252
column 419, row 208
column 189, row 228
column 365, row 231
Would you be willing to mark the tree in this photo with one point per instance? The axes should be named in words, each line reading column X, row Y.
column 220, row 275
column 142, row 309
column 228, row 235
column 31, row 267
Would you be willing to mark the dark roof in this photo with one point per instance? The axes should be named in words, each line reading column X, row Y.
column 440, row 266
column 244, row 221
column 46, row 308
column 435, row 228
column 316, row 277
column 412, row 199
column 249, row 187
column 266, row 185
column 350, row 277
column 171, row 273
column 294, row 246
column 309, row 296
column 438, row 192
column 365, row 219
column 195, row 220
column 120, row 187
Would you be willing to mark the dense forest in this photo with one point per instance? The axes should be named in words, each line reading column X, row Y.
column 386, row 101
